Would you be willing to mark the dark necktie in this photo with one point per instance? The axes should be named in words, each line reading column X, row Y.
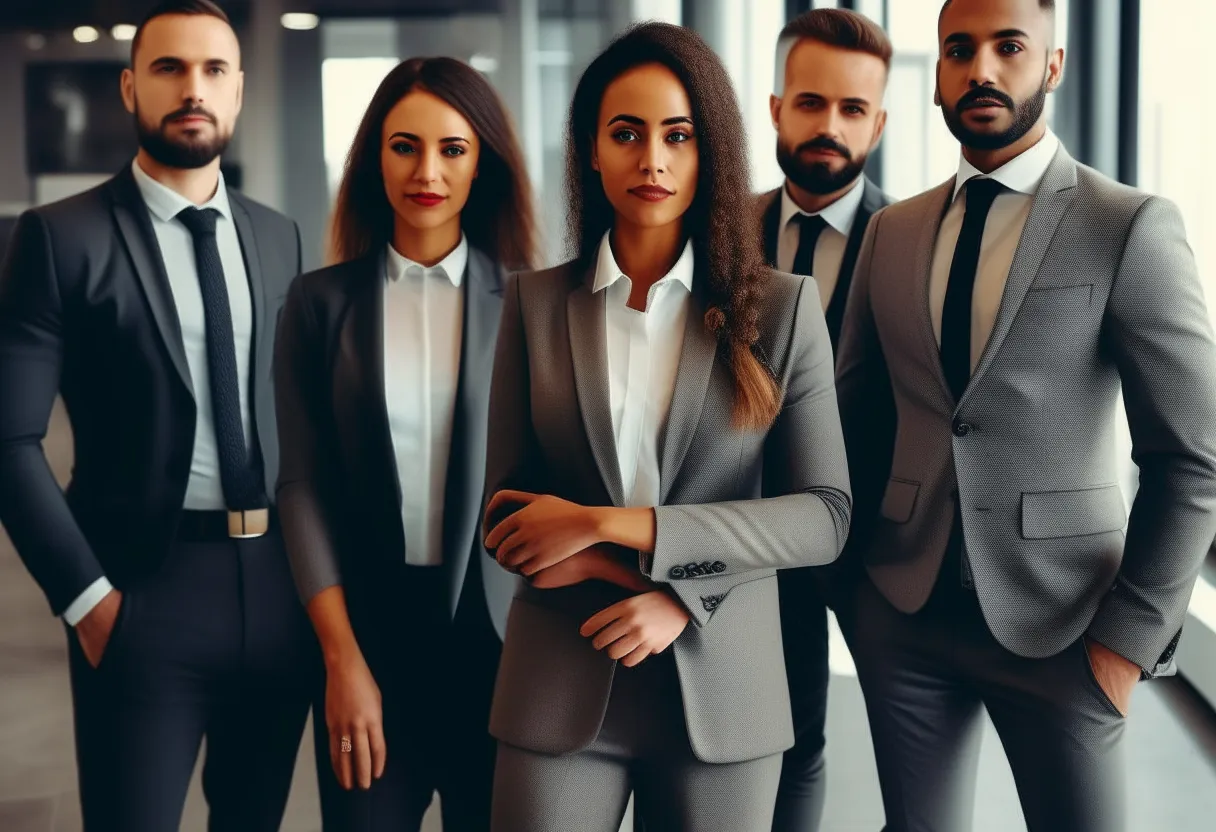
column 809, row 229
column 956, row 310
column 239, row 473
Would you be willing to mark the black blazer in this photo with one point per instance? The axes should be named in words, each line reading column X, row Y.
column 86, row 311
column 872, row 199
column 339, row 494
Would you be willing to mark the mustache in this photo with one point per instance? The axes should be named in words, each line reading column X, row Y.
column 972, row 96
column 825, row 143
column 196, row 112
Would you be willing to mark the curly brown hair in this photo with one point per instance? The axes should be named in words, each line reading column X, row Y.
column 726, row 246
column 498, row 219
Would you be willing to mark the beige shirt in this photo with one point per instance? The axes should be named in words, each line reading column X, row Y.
column 1002, row 233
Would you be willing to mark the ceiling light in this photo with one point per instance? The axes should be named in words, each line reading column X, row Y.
column 85, row 34
column 123, row 31
column 300, row 21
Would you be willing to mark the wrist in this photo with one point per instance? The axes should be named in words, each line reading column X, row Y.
column 339, row 653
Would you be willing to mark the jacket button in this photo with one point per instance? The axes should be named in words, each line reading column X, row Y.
column 961, row 428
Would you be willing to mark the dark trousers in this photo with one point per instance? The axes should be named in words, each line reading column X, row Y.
column 927, row 679
column 804, row 631
column 215, row 645
column 436, row 679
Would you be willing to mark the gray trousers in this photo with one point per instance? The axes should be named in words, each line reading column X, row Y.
column 926, row 678
column 642, row 748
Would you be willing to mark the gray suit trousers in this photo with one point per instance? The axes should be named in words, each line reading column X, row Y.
column 642, row 748
column 926, row 678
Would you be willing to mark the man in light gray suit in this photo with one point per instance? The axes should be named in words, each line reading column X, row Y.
column 1003, row 311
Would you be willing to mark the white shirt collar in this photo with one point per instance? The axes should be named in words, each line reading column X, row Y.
column 607, row 272
column 452, row 267
column 839, row 215
column 1022, row 173
column 166, row 203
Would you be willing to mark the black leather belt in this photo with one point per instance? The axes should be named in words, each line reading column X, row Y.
column 217, row 526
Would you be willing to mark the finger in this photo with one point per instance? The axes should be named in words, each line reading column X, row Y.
column 625, row 645
column 346, row 775
column 363, row 758
column 611, row 633
column 503, row 530
column 514, row 551
column 379, row 749
column 637, row 656
column 601, row 619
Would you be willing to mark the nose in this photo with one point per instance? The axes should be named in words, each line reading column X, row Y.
column 654, row 159
column 428, row 166
column 192, row 92
column 984, row 68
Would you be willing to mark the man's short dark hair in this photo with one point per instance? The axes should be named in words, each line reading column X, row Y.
column 841, row 28
column 204, row 8
column 1045, row 5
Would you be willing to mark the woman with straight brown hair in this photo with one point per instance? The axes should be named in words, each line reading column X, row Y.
column 382, row 377
column 663, row 438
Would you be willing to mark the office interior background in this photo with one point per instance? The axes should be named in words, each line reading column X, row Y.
column 1136, row 104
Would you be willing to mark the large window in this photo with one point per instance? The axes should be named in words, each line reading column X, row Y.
column 1177, row 127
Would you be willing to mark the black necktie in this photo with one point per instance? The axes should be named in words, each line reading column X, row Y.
column 239, row 474
column 956, row 310
column 809, row 229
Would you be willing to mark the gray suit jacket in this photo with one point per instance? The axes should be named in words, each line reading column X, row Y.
column 1102, row 296
column 339, row 489
column 735, row 506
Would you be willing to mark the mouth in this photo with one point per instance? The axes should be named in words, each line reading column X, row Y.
column 651, row 193
column 426, row 199
column 825, row 152
column 983, row 105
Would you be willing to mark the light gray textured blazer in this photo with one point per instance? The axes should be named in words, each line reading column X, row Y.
column 735, row 507
column 1102, row 295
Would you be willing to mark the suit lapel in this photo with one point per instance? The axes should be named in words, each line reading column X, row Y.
column 688, row 401
column 466, row 455
column 1051, row 201
column 770, row 225
column 253, row 271
column 589, row 355
column 872, row 199
column 131, row 214
column 938, row 201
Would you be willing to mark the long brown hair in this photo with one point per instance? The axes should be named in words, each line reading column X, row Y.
column 726, row 247
column 499, row 217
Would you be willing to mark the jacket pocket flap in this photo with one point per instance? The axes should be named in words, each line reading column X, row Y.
column 899, row 500
column 1072, row 513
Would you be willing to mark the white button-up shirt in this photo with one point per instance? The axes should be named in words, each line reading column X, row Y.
column 1002, row 232
column 834, row 239
column 644, row 350
column 423, row 332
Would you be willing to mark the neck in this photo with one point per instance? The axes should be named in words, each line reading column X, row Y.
column 426, row 246
column 986, row 161
column 195, row 184
column 814, row 203
column 646, row 254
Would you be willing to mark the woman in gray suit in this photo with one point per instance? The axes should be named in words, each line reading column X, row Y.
column 382, row 375
column 663, row 437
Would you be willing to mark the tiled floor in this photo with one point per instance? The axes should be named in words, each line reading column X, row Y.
column 1171, row 748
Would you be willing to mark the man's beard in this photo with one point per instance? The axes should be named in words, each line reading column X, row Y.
column 1025, row 116
column 185, row 152
column 818, row 177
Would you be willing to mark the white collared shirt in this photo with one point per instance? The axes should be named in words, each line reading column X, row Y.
column 1002, row 232
column 829, row 250
column 423, row 332
column 204, row 491
column 644, row 350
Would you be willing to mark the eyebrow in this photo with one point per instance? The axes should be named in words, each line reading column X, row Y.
column 413, row 138
column 802, row 96
column 1004, row 34
column 634, row 120
column 170, row 60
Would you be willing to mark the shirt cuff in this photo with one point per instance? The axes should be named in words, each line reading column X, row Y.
column 88, row 599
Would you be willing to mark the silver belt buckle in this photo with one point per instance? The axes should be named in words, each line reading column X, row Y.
column 246, row 524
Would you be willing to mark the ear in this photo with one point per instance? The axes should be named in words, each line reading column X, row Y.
column 127, row 86
column 937, row 85
column 879, row 126
column 774, row 109
column 240, row 91
column 595, row 156
column 1055, row 69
